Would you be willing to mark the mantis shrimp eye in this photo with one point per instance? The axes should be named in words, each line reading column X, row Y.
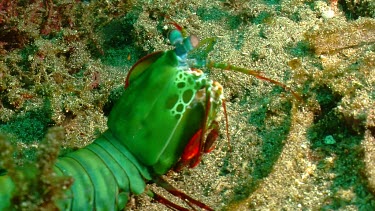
column 194, row 41
column 175, row 37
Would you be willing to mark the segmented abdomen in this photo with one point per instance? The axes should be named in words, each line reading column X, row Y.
column 104, row 173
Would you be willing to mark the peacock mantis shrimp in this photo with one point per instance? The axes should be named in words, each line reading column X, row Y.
column 165, row 119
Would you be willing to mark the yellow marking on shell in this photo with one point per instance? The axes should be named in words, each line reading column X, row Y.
column 196, row 72
column 200, row 96
column 218, row 91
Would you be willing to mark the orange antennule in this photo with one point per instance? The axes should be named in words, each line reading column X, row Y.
column 254, row 73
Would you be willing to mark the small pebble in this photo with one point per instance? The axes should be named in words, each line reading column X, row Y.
column 329, row 140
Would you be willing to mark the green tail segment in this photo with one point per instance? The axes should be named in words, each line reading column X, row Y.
column 6, row 192
column 105, row 172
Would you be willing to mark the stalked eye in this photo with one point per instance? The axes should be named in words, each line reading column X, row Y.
column 194, row 40
column 175, row 37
